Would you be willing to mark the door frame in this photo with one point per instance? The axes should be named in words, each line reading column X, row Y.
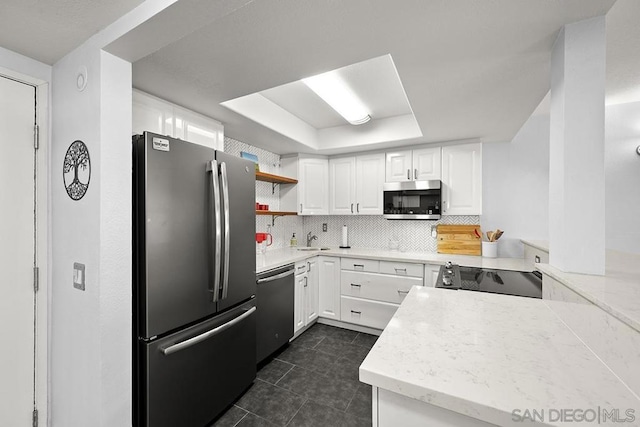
column 43, row 241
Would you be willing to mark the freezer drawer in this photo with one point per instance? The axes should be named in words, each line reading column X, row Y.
column 190, row 377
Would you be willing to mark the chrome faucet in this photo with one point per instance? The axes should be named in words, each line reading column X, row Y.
column 310, row 238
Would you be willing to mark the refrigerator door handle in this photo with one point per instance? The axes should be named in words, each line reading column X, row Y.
column 212, row 167
column 225, row 196
column 213, row 332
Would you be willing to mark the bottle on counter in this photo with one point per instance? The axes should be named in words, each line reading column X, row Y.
column 294, row 240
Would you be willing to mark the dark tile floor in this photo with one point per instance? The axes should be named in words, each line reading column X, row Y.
column 312, row 382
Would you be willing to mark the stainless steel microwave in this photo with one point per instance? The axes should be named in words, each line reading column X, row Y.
column 412, row 200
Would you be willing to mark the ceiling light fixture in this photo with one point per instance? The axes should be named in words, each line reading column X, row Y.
column 333, row 90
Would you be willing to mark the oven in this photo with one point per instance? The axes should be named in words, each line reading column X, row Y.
column 412, row 200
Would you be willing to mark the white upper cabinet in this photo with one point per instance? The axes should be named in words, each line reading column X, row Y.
column 462, row 179
column 369, row 184
column 355, row 185
column 342, row 186
column 398, row 166
column 426, row 164
column 421, row 164
column 159, row 116
column 311, row 195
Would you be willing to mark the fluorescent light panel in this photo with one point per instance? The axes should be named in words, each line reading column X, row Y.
column 335, row 92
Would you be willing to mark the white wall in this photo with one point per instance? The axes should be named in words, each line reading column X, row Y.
column 622, row 181
column 515, row 193
column 76, row 356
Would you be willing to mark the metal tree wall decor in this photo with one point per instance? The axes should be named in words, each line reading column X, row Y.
column 76, row 170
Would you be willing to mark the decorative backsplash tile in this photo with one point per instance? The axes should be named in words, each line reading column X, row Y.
column 365, row 231
column 372, row 231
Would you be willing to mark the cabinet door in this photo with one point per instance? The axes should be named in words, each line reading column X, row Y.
column 199, row 129
column 398, row 166
column 426, row 164
column 313, row 180
column 329, row 287
column 299, row 301
column 369, row 184
column 431, row 274
column 311, row 306
column 151, row 114
column 462, row 179
column 342, row 186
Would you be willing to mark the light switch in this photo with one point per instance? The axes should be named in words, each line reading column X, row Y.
column 78, row 276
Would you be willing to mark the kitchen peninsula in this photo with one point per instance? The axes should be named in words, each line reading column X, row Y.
column 455, row 358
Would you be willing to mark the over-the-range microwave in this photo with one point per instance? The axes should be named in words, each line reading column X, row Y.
column 412, row 200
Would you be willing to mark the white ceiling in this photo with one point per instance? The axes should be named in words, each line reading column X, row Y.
column 47, row 30
column 470, row 68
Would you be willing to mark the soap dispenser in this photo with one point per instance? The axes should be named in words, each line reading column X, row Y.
column 294, row 240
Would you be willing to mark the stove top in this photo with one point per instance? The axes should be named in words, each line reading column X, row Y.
column 518, row 283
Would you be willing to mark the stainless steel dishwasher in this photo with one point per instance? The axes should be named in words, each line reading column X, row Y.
column 274, row 314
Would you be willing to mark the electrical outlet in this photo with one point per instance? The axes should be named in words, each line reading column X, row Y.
column 434, row 231
column 78, row 276
column 324, row 226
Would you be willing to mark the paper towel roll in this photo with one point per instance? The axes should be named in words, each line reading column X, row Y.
column 345, row 236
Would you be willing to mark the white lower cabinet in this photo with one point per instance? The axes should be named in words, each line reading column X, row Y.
column 305, row 309
column 374, row 314
column 311, row 291
column 329, row 287
column 431, row 272
column 378, row 287
column 372, row 290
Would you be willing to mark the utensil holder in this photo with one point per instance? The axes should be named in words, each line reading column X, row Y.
column 490, row 249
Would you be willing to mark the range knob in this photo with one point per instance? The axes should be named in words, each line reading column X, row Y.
column 448, row 265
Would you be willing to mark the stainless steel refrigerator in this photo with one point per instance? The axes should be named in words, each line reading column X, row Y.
column 194, row 283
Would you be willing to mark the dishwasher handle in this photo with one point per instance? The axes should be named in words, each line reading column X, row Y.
column 276, row 277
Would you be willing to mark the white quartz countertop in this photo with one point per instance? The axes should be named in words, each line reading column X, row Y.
column 617, row 292
column 486, row 355
column 279, row 257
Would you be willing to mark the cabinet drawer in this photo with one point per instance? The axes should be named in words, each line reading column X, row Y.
column 301, row 267
column 401, row 268
column 380, row 287
column 356, row 264
column 366, row 313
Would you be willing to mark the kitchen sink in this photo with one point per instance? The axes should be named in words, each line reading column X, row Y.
column 305, row 249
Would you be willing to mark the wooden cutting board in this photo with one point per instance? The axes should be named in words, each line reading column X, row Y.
column 459, row 239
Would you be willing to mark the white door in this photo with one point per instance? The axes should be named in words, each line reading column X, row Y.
column 299, row 302
column 329, row 287
column 17, row 249
column 313, row 186
column 462, row 179
column 342, row 186
column 369, row 184
column 426, row 164
column 398, row 166
column 313, row 278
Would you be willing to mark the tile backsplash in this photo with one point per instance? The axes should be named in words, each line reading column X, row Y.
column 365, row 231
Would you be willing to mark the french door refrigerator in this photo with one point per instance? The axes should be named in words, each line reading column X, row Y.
column 194, row 284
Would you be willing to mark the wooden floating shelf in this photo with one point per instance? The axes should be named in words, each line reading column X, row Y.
column 276, row 213
column 275, row 179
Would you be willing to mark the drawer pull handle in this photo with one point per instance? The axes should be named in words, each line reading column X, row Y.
column 404, row 270
column 358, row 266
column 537, row 259
column 301, row 267
column 355, row 285
column 356, row 312
column 400, row 291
